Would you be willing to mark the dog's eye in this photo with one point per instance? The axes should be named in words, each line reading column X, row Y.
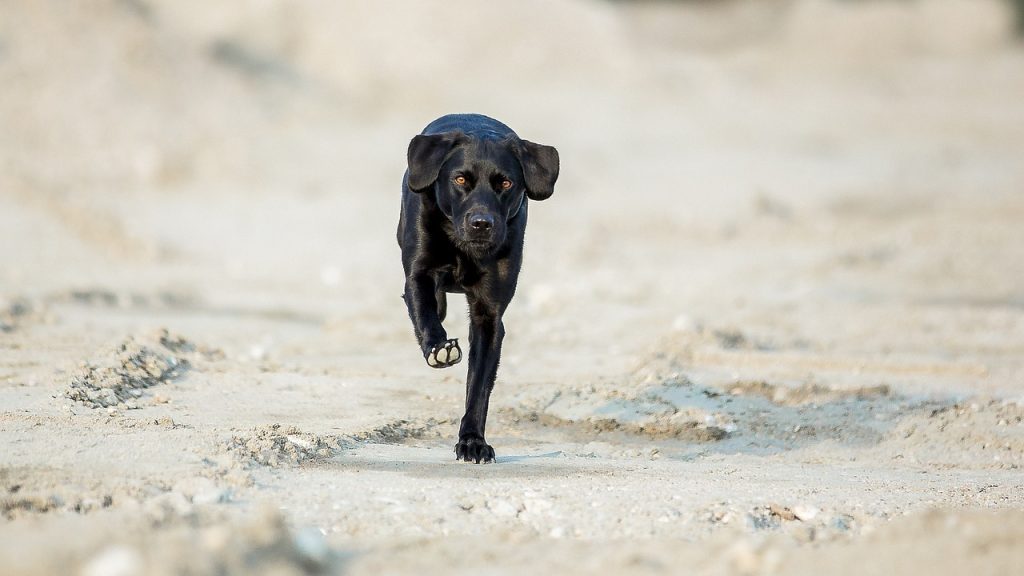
column 460, row 180
column 506, row 184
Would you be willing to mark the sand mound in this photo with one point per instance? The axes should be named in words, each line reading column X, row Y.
column 120, row 377
column 807, row 393
column 680, row 426
column 755, row 416
column 277, row 445
column 261, row 544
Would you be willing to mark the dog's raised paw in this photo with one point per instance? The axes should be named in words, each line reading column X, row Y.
column 474, row 450
column 445, row 354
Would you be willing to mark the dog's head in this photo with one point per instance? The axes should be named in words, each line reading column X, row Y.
column 481, row 184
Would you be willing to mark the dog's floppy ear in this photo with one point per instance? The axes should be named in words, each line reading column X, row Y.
column 540, row 167
column 426, row 154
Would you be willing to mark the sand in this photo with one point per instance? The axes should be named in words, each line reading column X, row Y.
column 771, row 322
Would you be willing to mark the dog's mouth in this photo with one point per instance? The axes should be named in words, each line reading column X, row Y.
column 477, row 245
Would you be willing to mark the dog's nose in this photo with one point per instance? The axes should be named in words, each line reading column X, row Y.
column 481, row 222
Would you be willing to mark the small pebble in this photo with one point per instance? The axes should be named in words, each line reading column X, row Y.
column 115, row 561
column 781, row 512
column 805, row 513
column 312, row 547
column 501, row 507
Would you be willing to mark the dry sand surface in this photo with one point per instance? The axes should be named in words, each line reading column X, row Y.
column 771, row 322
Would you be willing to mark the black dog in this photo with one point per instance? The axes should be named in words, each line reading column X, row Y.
column 463, row 219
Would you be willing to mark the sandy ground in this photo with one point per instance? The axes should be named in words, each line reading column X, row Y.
column 772, row 320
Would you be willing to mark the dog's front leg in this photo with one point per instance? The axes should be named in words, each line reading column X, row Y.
column 421, row 300
column 486, row 333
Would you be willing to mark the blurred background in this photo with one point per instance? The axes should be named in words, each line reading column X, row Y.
column 802, row 216
column 714, row 152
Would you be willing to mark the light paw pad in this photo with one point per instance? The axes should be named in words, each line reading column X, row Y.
column 445, row 355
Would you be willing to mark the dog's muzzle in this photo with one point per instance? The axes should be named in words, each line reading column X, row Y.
column 479, row 227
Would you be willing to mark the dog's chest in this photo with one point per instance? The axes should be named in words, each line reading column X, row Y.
column 467, row 273
column 458, row 277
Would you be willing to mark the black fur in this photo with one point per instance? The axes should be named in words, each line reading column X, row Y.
column 468, row 237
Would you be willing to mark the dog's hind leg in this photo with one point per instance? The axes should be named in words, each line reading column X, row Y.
column 442, row 303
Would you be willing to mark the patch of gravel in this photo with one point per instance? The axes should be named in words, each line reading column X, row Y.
column 808, row 393
column 276, row 446
column 400, row 430
column 13, row 506
column 676, row 427
column 802, row 522
column 210, row 542
column 14, row 313
column 119, row 377
column 17, row 503
column 978, row 432
column 101, row 297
